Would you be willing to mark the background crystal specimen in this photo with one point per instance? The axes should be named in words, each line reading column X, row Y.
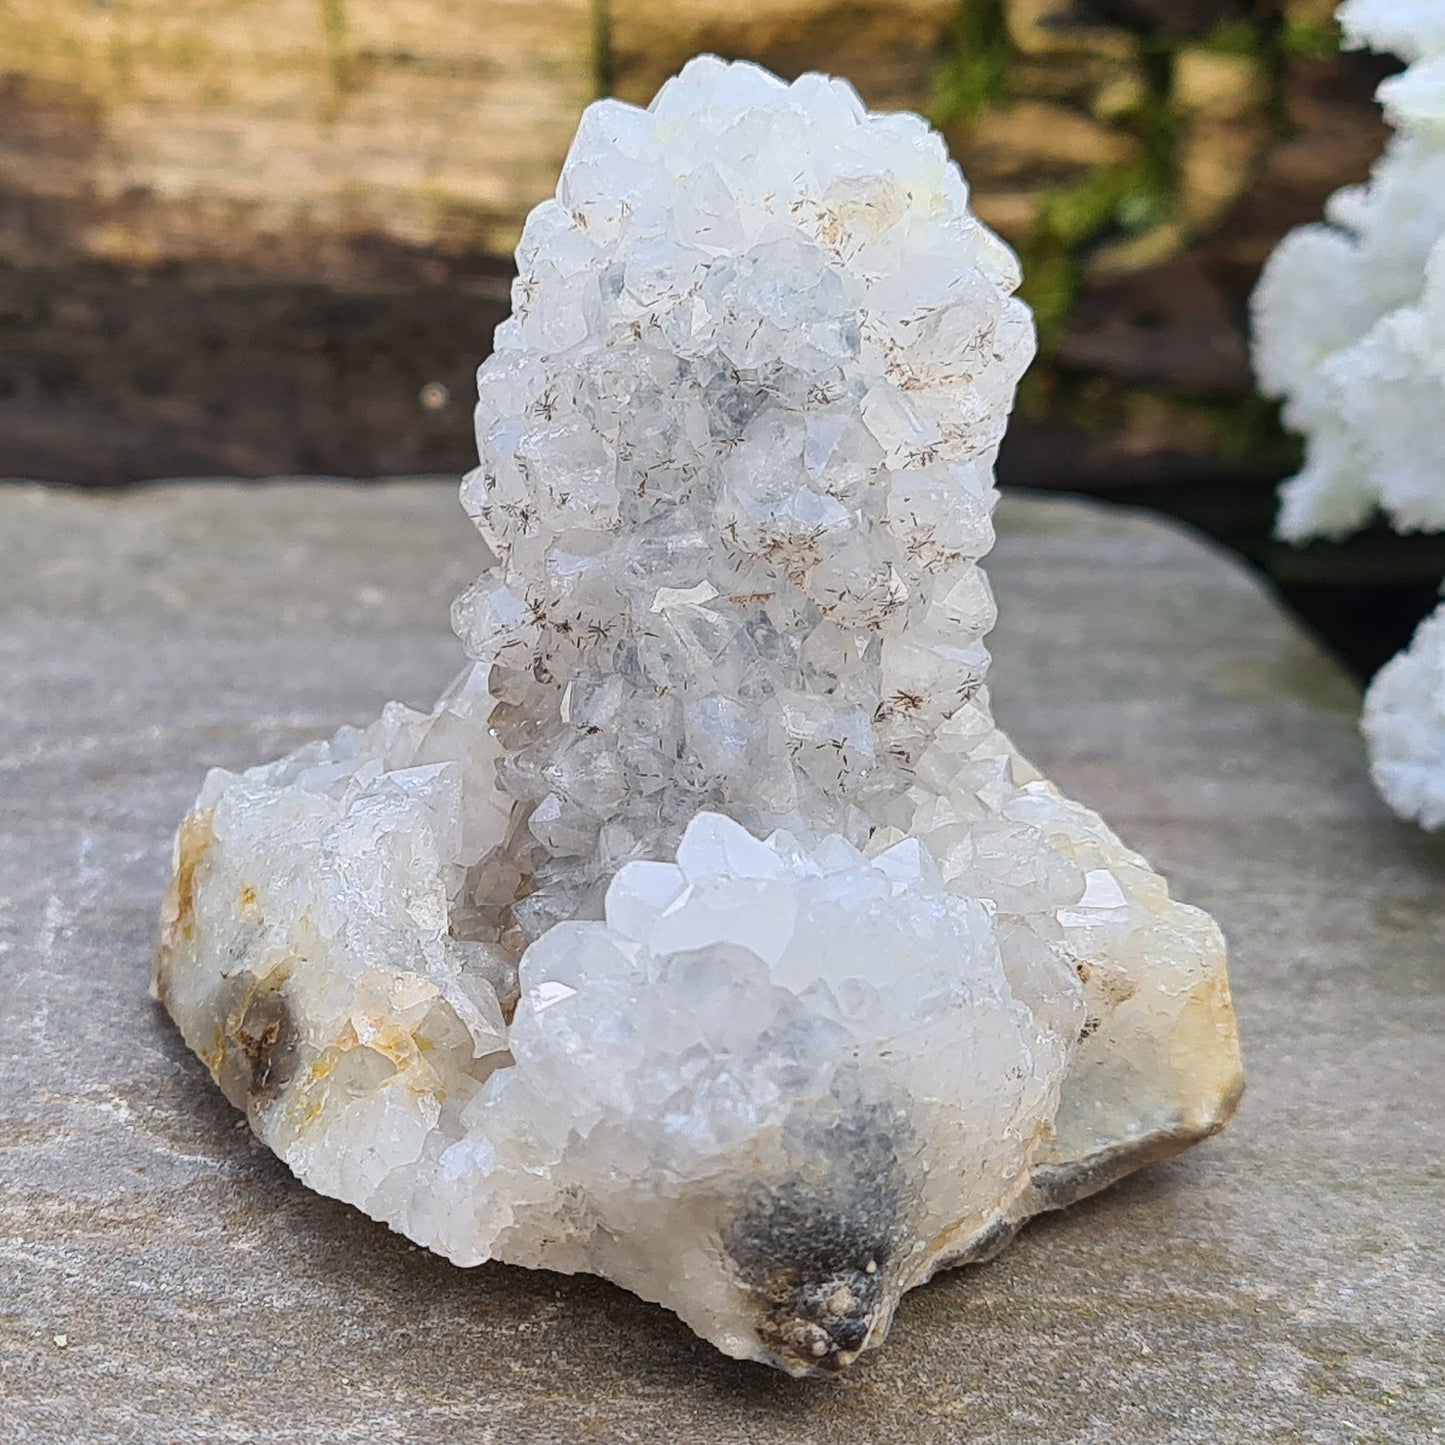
column 1349, row 328
column 708, row 935
column 1404, row 724
column 1338, row 327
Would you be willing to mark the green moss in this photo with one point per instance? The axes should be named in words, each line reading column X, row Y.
column 1156, row 121
column 1250, row 427
column 1052, row 277
column 1068, row 218
column 1108, row 202
column 1307, row 40
column 1127, row 198
column 1237, row 37
column 972, row 71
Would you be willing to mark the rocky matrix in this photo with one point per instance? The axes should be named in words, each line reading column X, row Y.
column 1349, row 328
column 707, row 935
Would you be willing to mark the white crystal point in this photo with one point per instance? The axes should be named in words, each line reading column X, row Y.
column 1404, row 725
column 708, row 935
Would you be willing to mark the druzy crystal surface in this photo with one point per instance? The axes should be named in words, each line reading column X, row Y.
column 708, row 935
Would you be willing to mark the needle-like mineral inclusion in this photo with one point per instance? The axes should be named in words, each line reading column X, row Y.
column 707, row 935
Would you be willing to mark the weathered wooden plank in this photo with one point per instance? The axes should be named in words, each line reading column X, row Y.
column 205, row 128
column 886, row 49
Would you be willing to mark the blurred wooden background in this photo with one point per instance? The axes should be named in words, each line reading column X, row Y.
column 265, row 236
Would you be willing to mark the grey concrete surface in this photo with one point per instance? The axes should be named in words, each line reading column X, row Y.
column 163, row 1279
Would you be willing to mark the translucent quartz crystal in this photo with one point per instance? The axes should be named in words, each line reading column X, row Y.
column 707, row 935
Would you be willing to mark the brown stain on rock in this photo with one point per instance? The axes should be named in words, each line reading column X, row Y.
column 267, row 1036
column 255, row 1049
column 178, row 912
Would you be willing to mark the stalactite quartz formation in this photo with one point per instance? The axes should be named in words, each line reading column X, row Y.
column 708, row 935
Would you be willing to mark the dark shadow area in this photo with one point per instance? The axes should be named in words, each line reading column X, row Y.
column 1363, row 597
column 110, row 376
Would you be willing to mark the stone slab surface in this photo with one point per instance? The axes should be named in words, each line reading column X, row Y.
column 1285, row 1282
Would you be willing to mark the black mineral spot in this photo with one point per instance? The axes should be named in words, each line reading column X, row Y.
column 814, row 1248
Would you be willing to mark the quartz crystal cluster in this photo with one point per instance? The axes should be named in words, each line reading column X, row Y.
column 707, row 934
column 1349, row 328
column 736, row 446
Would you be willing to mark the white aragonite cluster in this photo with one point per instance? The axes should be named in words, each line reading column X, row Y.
column 1349, row 328
column 708, row 935
column 1404, row 725
column 1346, row 329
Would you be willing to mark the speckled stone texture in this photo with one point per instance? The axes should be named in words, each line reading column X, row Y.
column 1284, row 1282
